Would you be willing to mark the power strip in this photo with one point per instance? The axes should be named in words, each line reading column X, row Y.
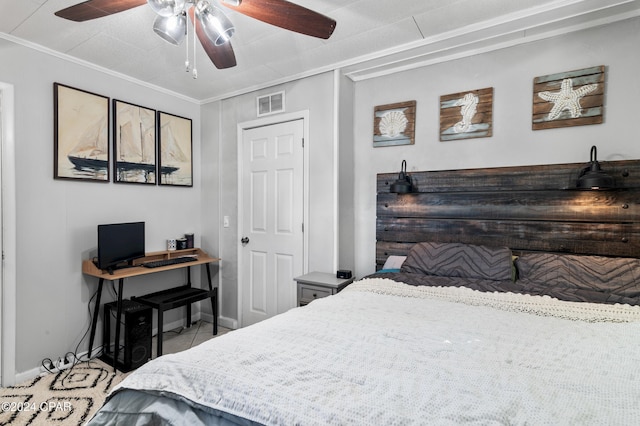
column 61, row 364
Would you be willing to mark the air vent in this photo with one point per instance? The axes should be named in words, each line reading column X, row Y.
column 270, row 104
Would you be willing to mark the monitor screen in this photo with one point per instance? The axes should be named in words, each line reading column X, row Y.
column 119, row 244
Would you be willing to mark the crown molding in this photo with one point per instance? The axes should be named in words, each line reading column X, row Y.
column 94, row 67
column 507, row 31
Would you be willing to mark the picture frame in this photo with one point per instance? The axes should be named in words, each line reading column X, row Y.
column 394, row 124
column 80, row 135
column 569, row 99
column 466, row 115
column 175, row 153
column 134, row 144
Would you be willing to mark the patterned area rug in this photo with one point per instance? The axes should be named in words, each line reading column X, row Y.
column 69, row 397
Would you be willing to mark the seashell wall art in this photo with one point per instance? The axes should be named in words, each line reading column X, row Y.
column 394, row 124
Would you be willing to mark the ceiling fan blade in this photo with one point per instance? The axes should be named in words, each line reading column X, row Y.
column 287, row 15
column 93, row 9
column 222, row 56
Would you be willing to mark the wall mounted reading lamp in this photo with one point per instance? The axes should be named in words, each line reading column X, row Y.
column 592, row 177
column 403, row 184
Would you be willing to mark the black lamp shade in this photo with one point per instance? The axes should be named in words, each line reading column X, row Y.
column 402, row 186
column 592, row 177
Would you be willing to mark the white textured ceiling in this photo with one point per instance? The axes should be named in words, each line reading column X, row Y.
column 370, row 36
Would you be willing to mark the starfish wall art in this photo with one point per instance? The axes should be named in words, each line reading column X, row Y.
column 574, row 98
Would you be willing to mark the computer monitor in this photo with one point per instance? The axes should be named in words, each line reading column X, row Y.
column 119, row 244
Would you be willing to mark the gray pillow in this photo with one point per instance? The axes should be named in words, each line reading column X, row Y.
column 620, row 276
column 459, row 260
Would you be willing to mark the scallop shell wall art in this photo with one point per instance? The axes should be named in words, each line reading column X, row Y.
column 394, row 124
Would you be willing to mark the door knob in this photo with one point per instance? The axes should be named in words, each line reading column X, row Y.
column 244, row 240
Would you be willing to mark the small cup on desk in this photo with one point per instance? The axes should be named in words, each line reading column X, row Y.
column 181, row 243
column 171, row 244
column 189, row 238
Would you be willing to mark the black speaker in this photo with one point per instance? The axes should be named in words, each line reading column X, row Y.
column 136, row 327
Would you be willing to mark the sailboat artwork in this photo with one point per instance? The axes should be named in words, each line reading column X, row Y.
column 91, row 155
column 81, row 134
column 175, row 159
column 134, row 143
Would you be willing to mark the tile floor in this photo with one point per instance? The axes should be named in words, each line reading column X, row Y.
column 183, row 338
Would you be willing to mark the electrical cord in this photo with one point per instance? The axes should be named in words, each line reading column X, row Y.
column 72, row 357
column 48, row 365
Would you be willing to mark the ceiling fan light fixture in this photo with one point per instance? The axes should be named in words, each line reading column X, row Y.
column 172, row 29
column 232, row 2
column 167, row 8
column 218, row 28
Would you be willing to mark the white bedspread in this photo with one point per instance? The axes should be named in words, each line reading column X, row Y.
column 418, row 356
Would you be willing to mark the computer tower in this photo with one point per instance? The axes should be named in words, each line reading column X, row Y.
column 135, row 334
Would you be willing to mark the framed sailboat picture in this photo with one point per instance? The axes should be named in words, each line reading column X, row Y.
column 81, row 135
column 134, row 143
column 175, row 160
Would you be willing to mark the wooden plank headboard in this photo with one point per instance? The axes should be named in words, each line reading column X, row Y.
column 527, row 208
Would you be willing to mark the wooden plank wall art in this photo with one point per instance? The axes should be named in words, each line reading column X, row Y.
column 394, row 124
column 525, row 208
column 466, row 115
column 574, row 98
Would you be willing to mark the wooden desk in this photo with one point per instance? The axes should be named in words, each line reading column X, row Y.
column 89, row 268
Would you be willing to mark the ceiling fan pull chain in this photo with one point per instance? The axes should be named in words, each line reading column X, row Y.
column 186, row 56
column 195, row 71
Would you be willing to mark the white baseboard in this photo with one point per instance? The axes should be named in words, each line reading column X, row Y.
column 222, row 321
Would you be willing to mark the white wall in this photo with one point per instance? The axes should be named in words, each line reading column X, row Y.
column 510, row 72
column 313, row 94
column 346, row 152
column 56, row 219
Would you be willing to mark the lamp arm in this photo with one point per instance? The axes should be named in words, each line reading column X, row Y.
column 403, row 170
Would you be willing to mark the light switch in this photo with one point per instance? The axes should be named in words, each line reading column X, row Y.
column 225, row 221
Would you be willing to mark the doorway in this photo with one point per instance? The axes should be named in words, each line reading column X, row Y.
column 271, row 218
column 7, row 237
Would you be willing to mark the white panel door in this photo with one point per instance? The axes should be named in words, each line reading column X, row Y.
column 272, row 214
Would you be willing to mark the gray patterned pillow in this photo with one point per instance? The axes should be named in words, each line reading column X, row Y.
column 459, row 260
column 620, row 276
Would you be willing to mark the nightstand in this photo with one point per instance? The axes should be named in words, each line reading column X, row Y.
column 315, row 285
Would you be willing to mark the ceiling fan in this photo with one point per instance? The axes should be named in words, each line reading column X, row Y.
column 212, row 27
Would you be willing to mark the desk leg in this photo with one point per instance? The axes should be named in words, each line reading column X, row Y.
column 160, row 334
column 214, row 301
column 116, row 348
column 94, row 321
column 188, row 307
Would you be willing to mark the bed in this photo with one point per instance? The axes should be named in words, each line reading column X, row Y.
column 494, row 326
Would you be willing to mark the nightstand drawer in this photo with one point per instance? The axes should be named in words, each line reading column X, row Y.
column 315, row 285
column 310, row 293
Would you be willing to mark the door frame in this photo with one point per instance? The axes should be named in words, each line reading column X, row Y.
column 262, row 122
column 8, row 236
